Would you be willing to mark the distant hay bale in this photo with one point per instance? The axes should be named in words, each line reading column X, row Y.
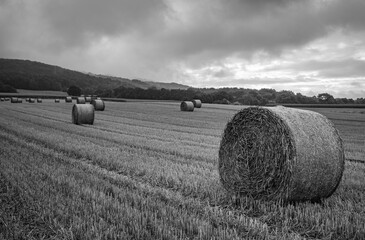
column 187, row 106
column 98, row 104
column 2, row 99
column 83, row 114
column 68, row 99
column 20, row 100
column 88, row 99
column 281, row 154
column 31, row 100
column 197, row 103
column 7, row 99
column 14, row 100
column 80, row 100
column 57, row 100
column 27, row 99
column 39, row 100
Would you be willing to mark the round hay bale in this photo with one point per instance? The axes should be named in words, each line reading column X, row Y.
column 197, row 103
column 57, row 100
column 80, row 100
column 281, row 154
column 98, row 104
column 83, row 114
column 2, row 99
column 39, row 100
column 27, row 99
column 187, row 106
column 7, row 99
column 14, row 100
column 68, row 99
column 88, row 99
column 31, row 100
column 20, row 100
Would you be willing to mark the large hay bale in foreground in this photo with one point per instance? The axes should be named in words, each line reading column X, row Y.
column 197, row 103
column 68, row 99
column 281, row 154
column 187, row 106
column 14, row 100
column 83, row 114
column 80, row 100
column 98, row 104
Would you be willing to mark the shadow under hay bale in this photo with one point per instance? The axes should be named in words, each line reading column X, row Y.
column 281, row 154
column 83, row 114
column 68, row 99
column 187, row 106
column 197, row 103
column 98, row 104
column 80, row 100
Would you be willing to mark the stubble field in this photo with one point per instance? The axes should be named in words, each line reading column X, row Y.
column 146, row 170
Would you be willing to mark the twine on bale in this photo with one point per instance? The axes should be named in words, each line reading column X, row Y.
column 197, row 103
column 68, row 99
column 80, row 100
column 187, row 106
column 83, row 114
column 281, row 154
column 98, row 104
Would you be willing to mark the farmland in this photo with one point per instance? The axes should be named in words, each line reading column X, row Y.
column 146, row 170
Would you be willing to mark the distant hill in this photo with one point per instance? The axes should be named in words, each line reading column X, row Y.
column 31, row 75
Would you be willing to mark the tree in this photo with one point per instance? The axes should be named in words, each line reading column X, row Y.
column 325, row 98
column 74, row 91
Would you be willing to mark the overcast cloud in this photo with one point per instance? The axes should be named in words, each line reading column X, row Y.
column 307, row 46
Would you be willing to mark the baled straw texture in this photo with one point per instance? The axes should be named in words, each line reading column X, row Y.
column 83, row 114
column 39, row 100
column 197, row 103
column 98, row 104
column 187, row 106
column 80, row 100
column 14, row 100
column 281, row 154
column 88, row 99
column 68, row 99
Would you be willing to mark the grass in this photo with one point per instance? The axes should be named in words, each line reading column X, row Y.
column 146, row 170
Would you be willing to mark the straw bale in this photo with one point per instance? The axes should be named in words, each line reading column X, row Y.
column 83, row 114
column 31, row 100
column 281, row 154
column 20, row 100
column 98, row 104
column 57, row 100
column 187, row 106
column 88, row 99
column 80, row 100
column 197, row 103
column 39, row 100
column 14, row 100
column 68, row 99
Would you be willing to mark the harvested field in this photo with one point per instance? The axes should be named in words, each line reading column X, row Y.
column 146, row 170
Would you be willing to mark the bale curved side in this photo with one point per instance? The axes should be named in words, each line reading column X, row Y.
column 98, row 104
column 83, row 114
column 197, row 103
column 68, row 99
column 88, row 99
column 281, row 154
column 80, row 100
column 187, row 106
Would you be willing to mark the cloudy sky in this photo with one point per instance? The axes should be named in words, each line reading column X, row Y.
column 307, row 46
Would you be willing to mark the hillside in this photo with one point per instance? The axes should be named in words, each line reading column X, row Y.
column 31, row 75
